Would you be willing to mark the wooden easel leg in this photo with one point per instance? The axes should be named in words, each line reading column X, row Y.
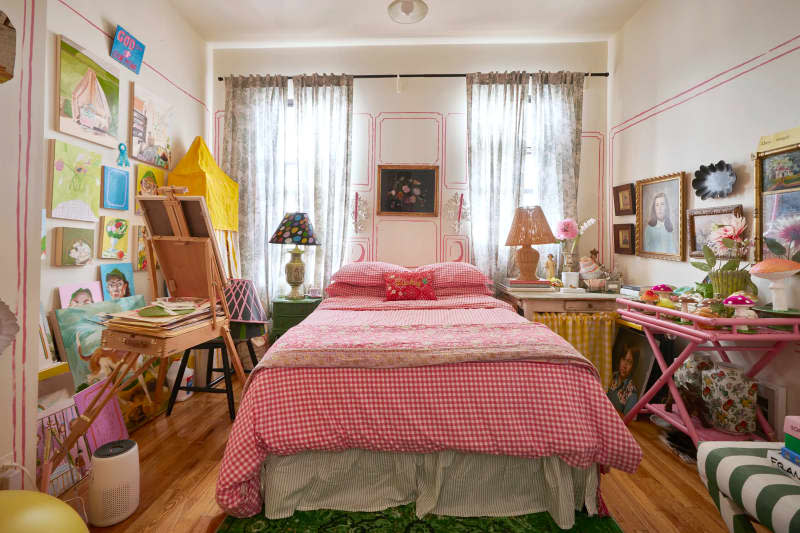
column 234, row 355
column 151, row 267
column 163, row 366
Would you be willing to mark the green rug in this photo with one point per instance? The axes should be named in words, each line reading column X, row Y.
column 403, row 520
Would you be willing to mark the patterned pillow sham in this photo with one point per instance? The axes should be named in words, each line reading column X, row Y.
column 455, row 274
column 409, row 286
column 367, row 273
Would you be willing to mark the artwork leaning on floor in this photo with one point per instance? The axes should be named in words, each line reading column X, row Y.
column 408, row 190
column 660, row 225
column 632, row 362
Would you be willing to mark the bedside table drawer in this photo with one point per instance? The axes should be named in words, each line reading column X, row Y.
column 589, row 306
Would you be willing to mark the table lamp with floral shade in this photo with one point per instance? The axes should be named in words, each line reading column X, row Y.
column 295, row 228
column 529, row 227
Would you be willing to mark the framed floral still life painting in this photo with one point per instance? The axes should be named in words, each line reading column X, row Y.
column 624, row 199
column 705, row 226
column 660, row 225
column 624, row 238
column 408, row 190
column 777, row 205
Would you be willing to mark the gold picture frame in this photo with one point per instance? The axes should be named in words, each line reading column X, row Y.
column 786, row 188
column 422, row 182
column 666, row 238
column 694, row 228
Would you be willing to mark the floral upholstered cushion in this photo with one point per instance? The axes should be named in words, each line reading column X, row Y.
column 409, row 286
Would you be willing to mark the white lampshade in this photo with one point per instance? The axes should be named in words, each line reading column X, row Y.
column 407, row 11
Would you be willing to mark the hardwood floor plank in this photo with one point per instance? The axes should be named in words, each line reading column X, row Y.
column 180, row 461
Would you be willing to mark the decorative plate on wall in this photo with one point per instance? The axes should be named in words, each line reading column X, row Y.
column 714, row 180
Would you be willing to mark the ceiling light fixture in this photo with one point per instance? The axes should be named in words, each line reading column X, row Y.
column 407, row 11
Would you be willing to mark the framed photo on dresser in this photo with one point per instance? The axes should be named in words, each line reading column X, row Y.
column 408, row 190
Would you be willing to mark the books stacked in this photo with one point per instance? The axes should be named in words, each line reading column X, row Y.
column 631, row 290
column 536, row 285
column 165, row 317
column 787, row 459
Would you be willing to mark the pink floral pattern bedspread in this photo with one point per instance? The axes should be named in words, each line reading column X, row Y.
column 415, row 380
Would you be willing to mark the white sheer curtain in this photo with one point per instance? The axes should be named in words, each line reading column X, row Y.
column 253, row 154
column 324, row 111
column 495, row 163
column 554, row 145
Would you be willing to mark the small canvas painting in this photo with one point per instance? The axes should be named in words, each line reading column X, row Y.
column 116, row 189
column 140, row 257
column 76, row 294
column 781, row 171
column 72, row 246
column 117, row 280
column 114, row 238
column 148, row 180
column 75, row 192
column 128, row 50
column 632, row 361
column 150, row 127
column 88, row 96
column 408, row 190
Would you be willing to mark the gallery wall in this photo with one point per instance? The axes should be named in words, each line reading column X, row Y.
column 423, row 121
column 692, row 83
column 174, row 71
column 21, row 153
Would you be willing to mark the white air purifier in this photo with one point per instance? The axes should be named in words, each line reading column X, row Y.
column 114, row 483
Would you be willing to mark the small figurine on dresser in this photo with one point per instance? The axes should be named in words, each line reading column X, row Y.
column 592, row 273
column 550, row 267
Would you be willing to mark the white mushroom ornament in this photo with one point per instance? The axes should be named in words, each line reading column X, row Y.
column 776, row 270
column 741, row 308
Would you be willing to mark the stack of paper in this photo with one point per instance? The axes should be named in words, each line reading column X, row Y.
column 164, row 319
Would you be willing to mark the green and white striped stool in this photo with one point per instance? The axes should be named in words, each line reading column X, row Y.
column 744, row 485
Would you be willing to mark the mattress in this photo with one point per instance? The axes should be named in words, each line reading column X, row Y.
column 463, row 374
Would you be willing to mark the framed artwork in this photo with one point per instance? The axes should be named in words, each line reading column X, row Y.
column 148, row 180
column 76, row 294
column 88, row 95
column 75, row 182
column 139, row 247
column 116, row 189
column 128, row 50
column 777, row 203
column 114, row 238
column 150, row 127
column 632, row 362
column 72, row 246
column 117, row 280
column 700, row 223
column 44, row 234
column 408, row 190
column 624, row 238
column 624, row 199
column 660, row 225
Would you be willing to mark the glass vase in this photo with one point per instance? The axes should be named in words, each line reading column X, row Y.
column 726, row 282
column 570, row 262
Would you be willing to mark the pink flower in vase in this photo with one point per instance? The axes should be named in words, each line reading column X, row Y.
column 566, row 229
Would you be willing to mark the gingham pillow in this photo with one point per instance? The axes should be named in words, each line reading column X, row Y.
column 464, row 290
column 416, row 285
column 367, row 273
column 338, row 288
column 455, row 274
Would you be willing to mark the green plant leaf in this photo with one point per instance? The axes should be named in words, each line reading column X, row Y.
column 775, row 247
column 729, row 243
column 711, row 257
column 702, row 266
column 732, row 264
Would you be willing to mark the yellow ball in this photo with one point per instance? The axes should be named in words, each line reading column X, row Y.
column 36, row 512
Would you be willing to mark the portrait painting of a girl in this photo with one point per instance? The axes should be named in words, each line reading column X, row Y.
column 660, row 225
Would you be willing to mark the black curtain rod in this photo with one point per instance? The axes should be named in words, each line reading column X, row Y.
column 383, row 76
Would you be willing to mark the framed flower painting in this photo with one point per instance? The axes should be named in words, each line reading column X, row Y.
column 114, row 238
column 408, row 190
column 777, row 203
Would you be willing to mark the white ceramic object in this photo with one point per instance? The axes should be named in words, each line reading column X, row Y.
column 570, row 279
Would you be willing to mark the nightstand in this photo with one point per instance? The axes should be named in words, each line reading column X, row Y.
column 289, row 313
column 587, row 320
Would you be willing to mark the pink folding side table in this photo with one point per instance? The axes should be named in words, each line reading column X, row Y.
column 761, row 337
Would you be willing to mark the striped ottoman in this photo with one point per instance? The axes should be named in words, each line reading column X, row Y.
column 744, row 484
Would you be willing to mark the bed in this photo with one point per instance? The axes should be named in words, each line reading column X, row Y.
column 457, row 404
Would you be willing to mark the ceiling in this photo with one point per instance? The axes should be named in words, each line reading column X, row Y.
column 341, row 22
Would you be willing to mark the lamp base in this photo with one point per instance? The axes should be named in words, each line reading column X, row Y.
column 295, row 274
column 528, row 262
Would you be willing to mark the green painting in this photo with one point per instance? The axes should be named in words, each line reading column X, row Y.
column 76, row 175
column 88, row 96
column 80, row 330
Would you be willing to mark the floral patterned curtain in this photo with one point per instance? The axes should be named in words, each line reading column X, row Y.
column 554, row 138
column 495, row 159
column 253, row 154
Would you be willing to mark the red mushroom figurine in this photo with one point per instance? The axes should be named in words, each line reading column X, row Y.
column 741, row 304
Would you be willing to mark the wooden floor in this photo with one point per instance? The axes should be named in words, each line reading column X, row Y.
column 180, row 459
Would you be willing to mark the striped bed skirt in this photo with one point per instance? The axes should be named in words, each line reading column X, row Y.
column 744, row 485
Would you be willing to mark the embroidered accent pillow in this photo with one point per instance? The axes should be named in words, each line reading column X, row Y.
column 409, row 286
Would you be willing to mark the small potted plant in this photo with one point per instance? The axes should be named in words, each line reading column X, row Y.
column 732, row 275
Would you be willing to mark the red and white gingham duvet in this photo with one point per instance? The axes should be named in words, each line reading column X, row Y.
column 542, row 401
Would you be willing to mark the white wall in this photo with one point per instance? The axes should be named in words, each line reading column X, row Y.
column 177, row 74
column 726, row 76
column 425, row 123
column 20, row 189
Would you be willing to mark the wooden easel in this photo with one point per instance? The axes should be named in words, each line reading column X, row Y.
column 181, row 236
